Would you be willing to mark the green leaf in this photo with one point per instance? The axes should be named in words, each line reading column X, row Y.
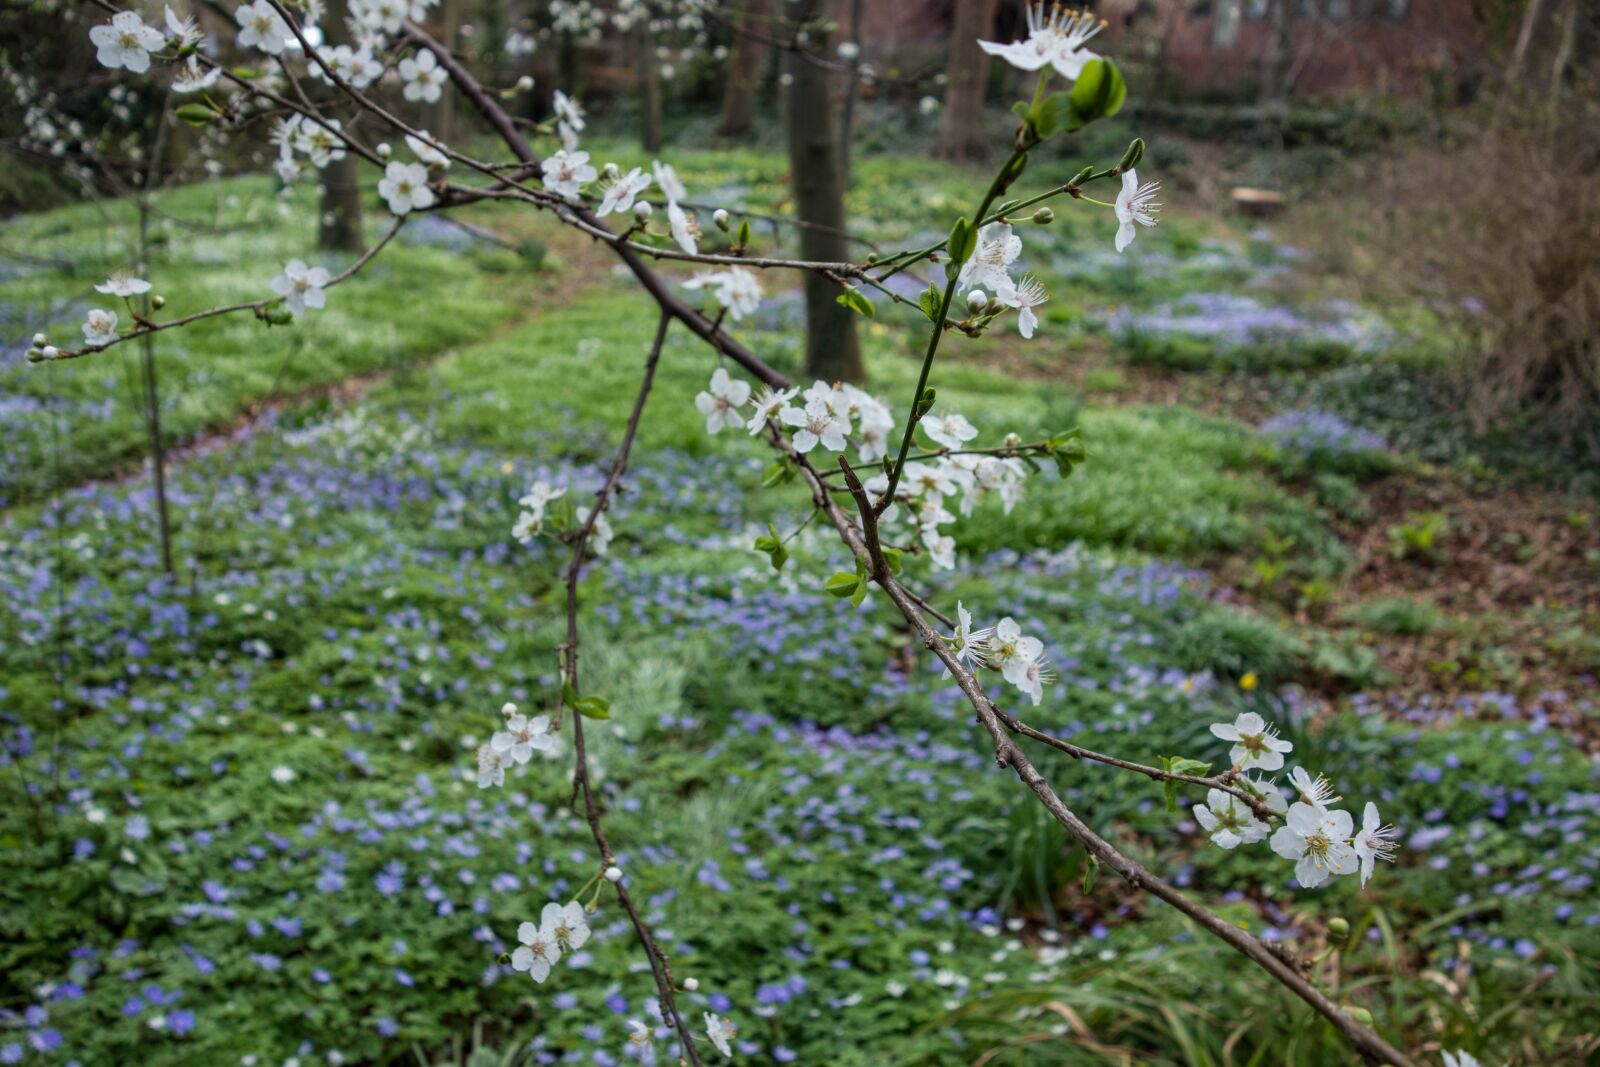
column 742, row 237
column 593, row 707
column 1098, row 93
column 1053, row 113
column 930, row 301
column 1091, row 868
column 891, row 556
column 772, row 545
column 778, row 472
column 860, row 593
column 1180, row 765
column 853, row 299
column 842, row 584
column 196, row 114
column 963, row 241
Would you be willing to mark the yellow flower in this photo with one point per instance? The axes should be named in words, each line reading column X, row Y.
column 1249, row 681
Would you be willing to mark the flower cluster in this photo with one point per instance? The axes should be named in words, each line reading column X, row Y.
column 1020, row 659
column 516, row 744
column 987, row 273
column 1321, row 840
column 561, row 928
column 533, row 504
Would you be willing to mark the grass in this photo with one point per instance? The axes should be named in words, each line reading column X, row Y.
column 215, row 371
column 802, row 807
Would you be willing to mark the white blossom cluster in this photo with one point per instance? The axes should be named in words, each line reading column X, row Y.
column 514, row 745
column 1320, row 839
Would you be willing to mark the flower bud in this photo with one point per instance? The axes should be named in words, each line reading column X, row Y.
column 1044, row 216
column 524, row 83
column 720, row 217
column 50, row 352
column 642, row 210
column 40, row 340
column 610, row 171
column 613, row 874
column 691, row 984
column 977, row 300
column 34, row 355
column 1338, row 930
column 158, row 301
column 1133, row 155
column 848, row 50
column 1013, row 440
column 1359, row 1014
column 384, row 150
column 508, row 709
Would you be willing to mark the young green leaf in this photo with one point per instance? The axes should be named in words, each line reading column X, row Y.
column 853, row 299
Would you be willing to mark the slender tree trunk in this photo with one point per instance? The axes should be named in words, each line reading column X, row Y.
column 833, row 352
column 744, row 71
column 649, row 90
column 1530, row 24
column 1280, row 45
column 152, row 392
column 852, row 87
column 340, row 228
column 961, row 131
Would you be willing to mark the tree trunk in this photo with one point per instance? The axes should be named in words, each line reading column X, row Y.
column 852, row 87
column 961, row 131
column 649, row 91
column 340, row 228
column 1280, row 45
column 833, row 352
column 744, row 72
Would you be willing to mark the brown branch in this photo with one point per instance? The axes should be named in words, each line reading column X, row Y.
column 659, row 966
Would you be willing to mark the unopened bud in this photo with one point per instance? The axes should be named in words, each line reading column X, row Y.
column 508, row 709
column 610, row 171
column 279, row 316
column 1013, row 440
column 1082, row 176
column 849, row 50
column 1133, row 155
column 384, row 150
column 1338, row 930
column 691, row 984
column 1359, row 1014
column 40, row 340
column 977, row 300
column 1044, row 216
column 613, row 874
column 524, row 83
column 158, row 301
column 35, row 355
column 642, row 211
column 720, row 217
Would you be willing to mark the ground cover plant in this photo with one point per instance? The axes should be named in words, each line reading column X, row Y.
column 266, row 809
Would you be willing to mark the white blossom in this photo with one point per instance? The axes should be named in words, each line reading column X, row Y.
column 600, row 537
column 736, row 289
column 423, row 76
column 567, row 923
column 100, row 327
column 522, row 737
column 949, row 430
column 125, row 43
column 1318, row 840
column 569, row 119
column 301, row 286
column 996, row 250
column 428, row 149
column 720, row 403
column 1374, row 842
column 620, row 194
column 193, row 78
column 1018, row 657
column 1229, row 820
column 491, row 767
column 1136, row 203
column 769, row 405
column 1316, row 791
column 537, row 952
column 817, row 424
column 182, row 29
column 566, row 173
column 405, row 187
column 1056, row 35
column 262, row 28
column 1255, row 744
column 1025, row 295
column 967, row 644
column 120, row 283
column 720, row 1031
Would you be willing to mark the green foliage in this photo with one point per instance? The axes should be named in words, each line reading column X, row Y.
column 1400, row 616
